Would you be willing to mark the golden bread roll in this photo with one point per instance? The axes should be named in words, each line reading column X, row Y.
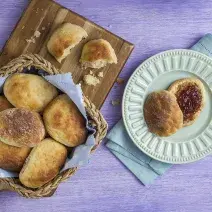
column 63, row 39
column 43, row 163
column 21, row 127
column 29, row 91
column 64, row 122
column 162, row 113
column 12, row 158
column 97, row 54
column 4, row 104
column 190, row 94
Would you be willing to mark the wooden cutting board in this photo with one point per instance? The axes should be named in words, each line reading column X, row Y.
column 45, row 16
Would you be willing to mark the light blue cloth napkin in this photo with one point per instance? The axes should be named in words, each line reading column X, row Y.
column 119, row 143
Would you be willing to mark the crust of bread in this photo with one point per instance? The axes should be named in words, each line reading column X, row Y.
column 63, row 39
column 21, row 127
column 162, row 113
column 29, row 91
column 12, row 158
column 64, row 122
column 97, row 54
column 43, row 163
column 4, row 103
column 180, row 85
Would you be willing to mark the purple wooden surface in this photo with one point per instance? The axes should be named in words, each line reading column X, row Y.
column 105, row 184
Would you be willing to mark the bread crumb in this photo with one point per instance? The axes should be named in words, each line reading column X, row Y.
column 31, row 40
column 43, row 28
column 37, row 34
column 120, row 80
column 91, row 80
column 23, row 27
column 91, row 72
column 100, row 74
column 115, row 102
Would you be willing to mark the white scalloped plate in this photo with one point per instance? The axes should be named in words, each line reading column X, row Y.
column 190, row 143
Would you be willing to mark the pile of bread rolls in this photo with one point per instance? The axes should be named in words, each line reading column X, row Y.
column 36, row 123
column 36, row 127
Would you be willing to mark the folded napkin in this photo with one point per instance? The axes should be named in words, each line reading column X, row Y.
column 119, row 143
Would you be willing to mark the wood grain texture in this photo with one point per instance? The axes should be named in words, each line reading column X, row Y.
column 45, row 16
column 105, row 184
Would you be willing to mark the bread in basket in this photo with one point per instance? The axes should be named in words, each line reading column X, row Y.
column 95, row 118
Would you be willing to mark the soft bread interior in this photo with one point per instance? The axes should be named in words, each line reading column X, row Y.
column 63, row 39
column 97, row 54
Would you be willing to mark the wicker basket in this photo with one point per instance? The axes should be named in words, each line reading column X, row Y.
column 28, row 61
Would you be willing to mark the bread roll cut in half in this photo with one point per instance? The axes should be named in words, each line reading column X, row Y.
column 162, row 113
column 29, row 91
column 97, row 54
column 63, row 39
column 13, row 158
column 64, row 122
column 21, row 127
column 190, row 94
column 43, row 163
column 4, row 103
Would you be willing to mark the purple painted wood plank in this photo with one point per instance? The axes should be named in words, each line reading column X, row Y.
column 105, row 184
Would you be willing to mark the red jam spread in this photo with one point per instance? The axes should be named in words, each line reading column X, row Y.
column 189, row 100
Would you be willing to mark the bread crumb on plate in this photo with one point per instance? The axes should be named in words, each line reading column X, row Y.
column 91, row 80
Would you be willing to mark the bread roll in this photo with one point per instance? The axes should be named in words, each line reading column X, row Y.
column 21, row 127
column 64, row 122
column 97, row 54
column 190, row 94
column 29, row 91
column 4, row 103
column 43, row 163
column 64, row 38
column 12, row 158
column 162, row 113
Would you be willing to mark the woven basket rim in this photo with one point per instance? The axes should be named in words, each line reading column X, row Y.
column 33, row 60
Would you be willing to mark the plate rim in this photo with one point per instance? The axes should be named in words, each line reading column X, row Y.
column 124, row 98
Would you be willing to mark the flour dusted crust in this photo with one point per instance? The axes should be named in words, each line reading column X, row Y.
column 162, row 113
column 43, row 163
column 21, row 127
column 64, row 122
column 29, row 91
column 182, row 84
column 63, row 39
column 97, row 54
